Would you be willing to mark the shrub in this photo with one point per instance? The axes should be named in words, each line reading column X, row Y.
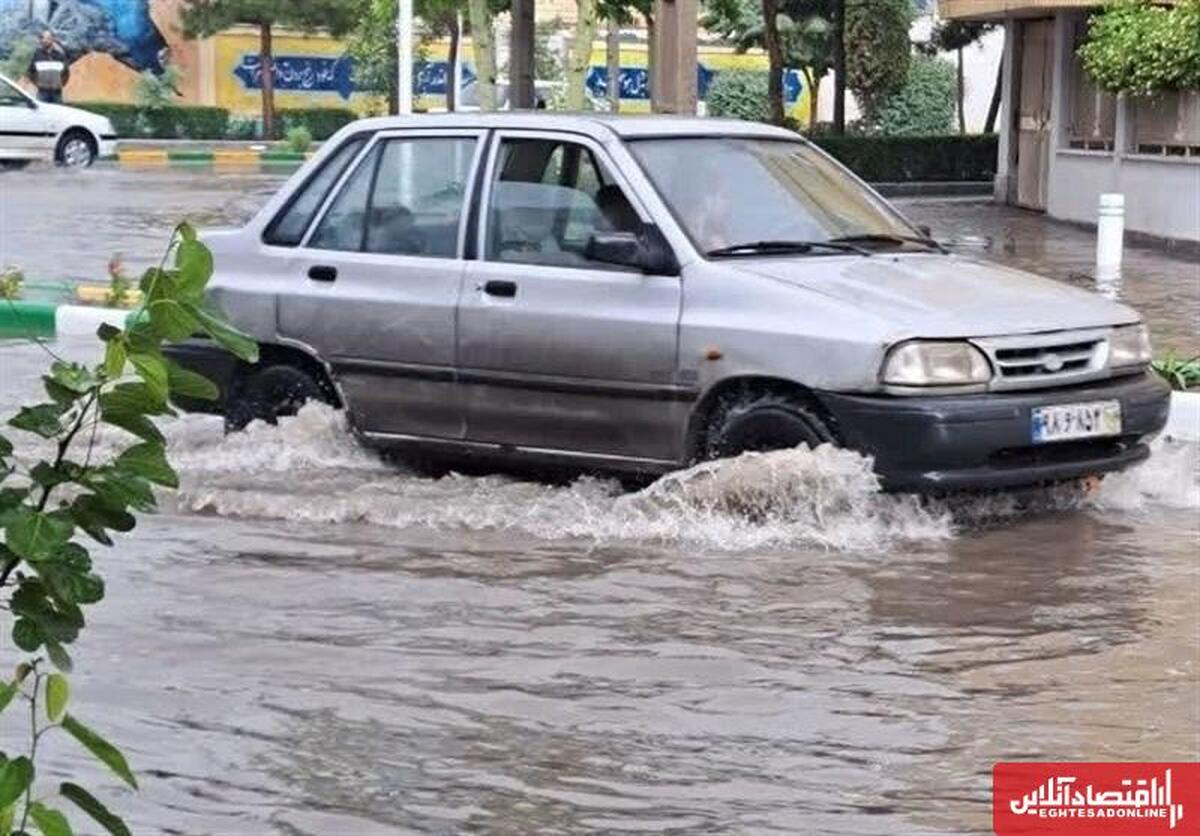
column 1143, row 49
column 299, row 139
column 877, row 49
column 170, row 122
column 242, row 127
column 740, row 94
column 157, row 91
column 322, row 122
column 925, row 105
column 887, row 159
column 1180, row 373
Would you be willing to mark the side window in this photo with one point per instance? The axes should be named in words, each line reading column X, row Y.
column 343, row 226
column 418, row 198
column 289, row 226
column 406, row 198
column 548, row 199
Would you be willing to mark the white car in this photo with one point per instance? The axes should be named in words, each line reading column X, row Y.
column 32, row 130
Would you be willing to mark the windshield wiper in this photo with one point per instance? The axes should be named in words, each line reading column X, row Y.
column 888, row 238
column 783, row 247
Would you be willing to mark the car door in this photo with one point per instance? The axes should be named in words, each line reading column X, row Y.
column 556, row 351
column 377, row 278
column 25, row 132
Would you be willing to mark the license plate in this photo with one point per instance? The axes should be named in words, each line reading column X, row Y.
column 1076, row 420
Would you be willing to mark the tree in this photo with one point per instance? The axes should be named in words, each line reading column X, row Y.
column 877, row 50
column 483, row 45
column 955, row 36
column 1139, row 48
column 579, row 56
column 372, row 42
column 924, row 105
column 202, row 18
column 800, row 37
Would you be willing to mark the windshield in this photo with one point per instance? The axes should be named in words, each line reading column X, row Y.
column 727, row 191
column 10, row 95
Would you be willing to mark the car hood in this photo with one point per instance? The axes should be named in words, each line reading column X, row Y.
column 63, row 116
column 930, row 295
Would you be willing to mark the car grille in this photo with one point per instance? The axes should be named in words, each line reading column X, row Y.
column 1053, row 359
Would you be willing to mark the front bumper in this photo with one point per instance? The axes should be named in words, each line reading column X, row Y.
column 979, row 442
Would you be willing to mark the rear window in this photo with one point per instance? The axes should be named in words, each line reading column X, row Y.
column 289, row 226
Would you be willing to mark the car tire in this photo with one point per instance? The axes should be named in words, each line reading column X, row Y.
column 758, row 422
column 76, row 149
column 273, row 392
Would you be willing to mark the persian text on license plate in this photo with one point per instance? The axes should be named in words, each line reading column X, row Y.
column 1076, row 420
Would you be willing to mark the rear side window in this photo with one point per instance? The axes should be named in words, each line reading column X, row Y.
column 405, row 198
column 289, row 226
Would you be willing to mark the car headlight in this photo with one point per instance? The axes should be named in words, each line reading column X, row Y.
column 920, row 363
column 1129, row 346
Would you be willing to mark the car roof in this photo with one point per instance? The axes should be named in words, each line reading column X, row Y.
column 625, row 126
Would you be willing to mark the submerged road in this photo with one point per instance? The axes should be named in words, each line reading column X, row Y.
column 309, row 641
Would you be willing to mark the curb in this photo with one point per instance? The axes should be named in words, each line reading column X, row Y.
column 47, row 320
column 1183, row 421
column 220, row 158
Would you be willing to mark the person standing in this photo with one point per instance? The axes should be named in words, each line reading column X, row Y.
column 49, row 70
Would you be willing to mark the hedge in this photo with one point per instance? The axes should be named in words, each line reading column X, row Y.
column 909, row 159
column 201, row 122
column 180, row 122
column 322, row 122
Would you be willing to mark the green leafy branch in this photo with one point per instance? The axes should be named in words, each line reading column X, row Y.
column 49, row 507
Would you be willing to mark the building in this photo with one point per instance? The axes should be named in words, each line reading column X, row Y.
column 1064, row 142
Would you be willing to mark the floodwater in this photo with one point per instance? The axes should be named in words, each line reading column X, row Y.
column 310, row 641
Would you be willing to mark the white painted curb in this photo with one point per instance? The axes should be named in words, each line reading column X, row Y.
column 84, row 319
column 1183, row 422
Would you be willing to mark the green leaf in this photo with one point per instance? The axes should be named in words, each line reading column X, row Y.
column 194, row 262
column 15, row 777
column 88, row 803
column 58, row 654
column 78, row 378
column 186, row 231
column 35, row 534
column 7, row 815
column 8, row 690
column 186, row 383
column 119, row 490
column 104, row 751
column 172, row 320
column 58, row 691
column 6, row 447
column 149, row 461
column 153, row 370
column 233, row 340
column 42, row 419
column 107, row 332
column 50, row 822
column 114, row 359
column 26, row 635
column 132, row 398
column 138, row 425
column 91, row 513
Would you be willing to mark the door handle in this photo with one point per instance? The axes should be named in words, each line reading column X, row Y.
column 498, row 287
column 322, row 273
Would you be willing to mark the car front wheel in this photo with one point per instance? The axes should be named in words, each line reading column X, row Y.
column 76, row 150
column 758, row 422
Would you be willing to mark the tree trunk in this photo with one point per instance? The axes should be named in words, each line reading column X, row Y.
column 483, row 45
column 814, row 96
column 613, row 65
column 839, row 67
column 994, row 107
column 579, row 58
column 649, row 56
column 266, row 63
column 452, row 57
column 774, row 60
column 962, row 95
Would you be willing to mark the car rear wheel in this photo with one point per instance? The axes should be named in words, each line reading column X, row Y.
column 273, row 392
column 758, row 422
column 76, row 150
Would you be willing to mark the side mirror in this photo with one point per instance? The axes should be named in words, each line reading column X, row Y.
column 647, row 251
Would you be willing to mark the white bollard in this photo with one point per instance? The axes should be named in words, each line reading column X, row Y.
column 1110, row 237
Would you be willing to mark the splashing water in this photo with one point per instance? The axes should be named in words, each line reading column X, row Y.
column 311, row 469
